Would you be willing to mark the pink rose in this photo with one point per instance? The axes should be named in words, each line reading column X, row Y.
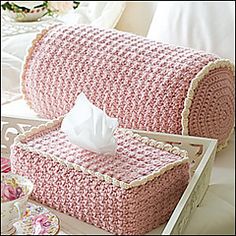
column 8, row 193
column 41, row 223
column 40, row 219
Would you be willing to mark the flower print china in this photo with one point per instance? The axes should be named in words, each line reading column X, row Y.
column 10, row 190
column 41, row 223
column 37, row 220
column 15, row 191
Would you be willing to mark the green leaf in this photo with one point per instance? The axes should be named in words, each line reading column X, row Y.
column 76, row 4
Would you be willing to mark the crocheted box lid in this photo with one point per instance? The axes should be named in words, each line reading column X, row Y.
column 137, row 160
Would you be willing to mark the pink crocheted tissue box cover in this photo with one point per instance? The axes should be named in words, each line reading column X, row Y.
column 132, row 192
column 148, row 85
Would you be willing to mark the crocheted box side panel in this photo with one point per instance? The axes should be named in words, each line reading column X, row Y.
column 146, row 84
column 132, row 211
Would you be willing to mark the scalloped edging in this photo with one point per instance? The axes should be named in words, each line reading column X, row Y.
column 135, row 183
column 219, row 63
column 27, row 57
column 225, row 144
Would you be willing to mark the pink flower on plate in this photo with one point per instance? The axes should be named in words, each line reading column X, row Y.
column 41, row 224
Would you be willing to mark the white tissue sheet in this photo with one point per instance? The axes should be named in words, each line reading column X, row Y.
column 89, row 127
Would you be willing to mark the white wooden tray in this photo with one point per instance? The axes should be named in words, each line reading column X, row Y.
column 201, row 152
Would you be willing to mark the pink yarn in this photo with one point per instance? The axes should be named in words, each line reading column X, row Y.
column 213, row 108
column 144, row 83
column 121, row 211
column 124, row 166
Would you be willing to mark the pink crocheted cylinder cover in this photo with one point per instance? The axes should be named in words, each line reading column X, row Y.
column 132, row 192
column 146, row 84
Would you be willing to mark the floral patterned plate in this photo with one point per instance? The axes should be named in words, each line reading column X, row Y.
column 37, row 220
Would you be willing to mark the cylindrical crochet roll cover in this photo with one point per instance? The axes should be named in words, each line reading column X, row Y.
column 148, row 85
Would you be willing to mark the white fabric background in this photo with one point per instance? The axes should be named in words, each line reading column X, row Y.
column 207, row 26
column 137, row 17
column 101, row 14
column 13, row 52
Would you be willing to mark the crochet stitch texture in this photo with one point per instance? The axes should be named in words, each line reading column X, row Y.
column 148, row 85
column 47, row 158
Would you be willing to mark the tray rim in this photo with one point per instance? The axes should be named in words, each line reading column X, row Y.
column 196, row 188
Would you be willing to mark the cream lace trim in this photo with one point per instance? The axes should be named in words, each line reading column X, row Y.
column 194, row 84
column 151, row 142
column 26, row 60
